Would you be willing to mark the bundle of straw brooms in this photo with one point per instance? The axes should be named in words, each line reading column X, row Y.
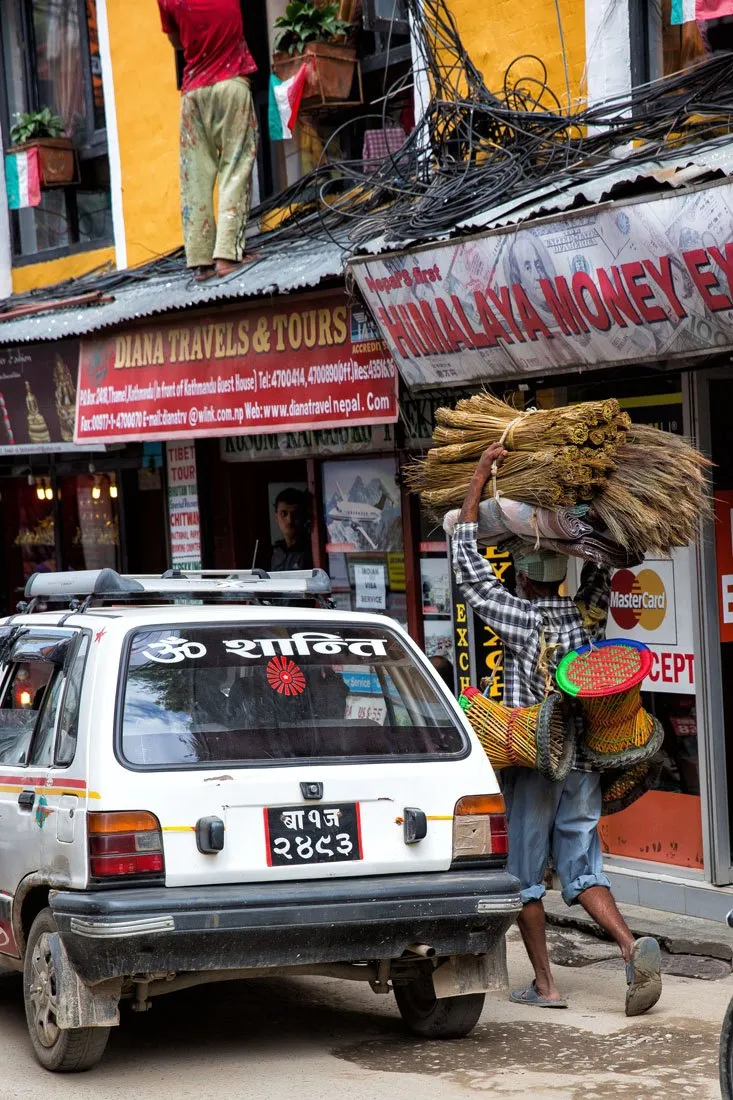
column 645, row 489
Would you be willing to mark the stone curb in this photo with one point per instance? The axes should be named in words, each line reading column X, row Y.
column 677, row 934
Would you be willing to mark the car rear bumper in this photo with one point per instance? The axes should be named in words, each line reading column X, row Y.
column 115, row 933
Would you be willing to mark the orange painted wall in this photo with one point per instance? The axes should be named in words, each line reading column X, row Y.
column 46, row 273
column 495, row 33
column 147, row 104
column 660, row 826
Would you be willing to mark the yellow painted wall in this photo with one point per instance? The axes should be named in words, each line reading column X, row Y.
column 496, row 32
column 31, row 276
column 147, row 102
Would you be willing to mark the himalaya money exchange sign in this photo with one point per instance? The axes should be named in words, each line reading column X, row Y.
column 652, row 280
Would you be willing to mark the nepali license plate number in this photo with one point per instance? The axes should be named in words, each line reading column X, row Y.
column 313, row 834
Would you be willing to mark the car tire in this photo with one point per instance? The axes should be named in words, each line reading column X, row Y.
column 67, row 1051
column 726, row 1055
column 431, row 1017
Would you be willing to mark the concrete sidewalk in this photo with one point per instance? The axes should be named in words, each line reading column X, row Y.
column 679, row 935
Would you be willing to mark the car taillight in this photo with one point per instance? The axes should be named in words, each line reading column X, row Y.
column 124, row 843
column 479, row 827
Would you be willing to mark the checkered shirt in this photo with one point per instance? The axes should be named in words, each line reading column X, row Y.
column 520, row 624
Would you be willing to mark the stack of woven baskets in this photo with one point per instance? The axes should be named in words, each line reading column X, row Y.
column 612, row 732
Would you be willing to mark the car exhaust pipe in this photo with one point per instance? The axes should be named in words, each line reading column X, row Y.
column 422, row 949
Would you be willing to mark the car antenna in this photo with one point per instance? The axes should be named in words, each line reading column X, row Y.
column 254, row 555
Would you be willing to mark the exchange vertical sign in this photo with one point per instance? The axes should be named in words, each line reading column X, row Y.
column 183, row 506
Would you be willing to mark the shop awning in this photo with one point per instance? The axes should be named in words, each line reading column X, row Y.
column 286, row 264
column 647, row 277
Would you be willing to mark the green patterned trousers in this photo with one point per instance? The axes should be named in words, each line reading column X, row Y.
column 218, row 139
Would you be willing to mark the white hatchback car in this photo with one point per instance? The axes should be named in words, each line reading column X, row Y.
column 198, row 784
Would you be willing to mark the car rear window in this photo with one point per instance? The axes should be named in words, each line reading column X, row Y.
column 262, row 693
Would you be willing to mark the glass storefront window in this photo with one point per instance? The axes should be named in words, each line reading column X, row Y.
column 363, row 518
column 435, row 591
column 90, row 522
column 665, row 824
column 29, row 533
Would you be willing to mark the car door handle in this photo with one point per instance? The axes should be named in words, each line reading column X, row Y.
column 26, row 799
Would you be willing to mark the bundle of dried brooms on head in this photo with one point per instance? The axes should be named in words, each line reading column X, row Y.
column 645, row 489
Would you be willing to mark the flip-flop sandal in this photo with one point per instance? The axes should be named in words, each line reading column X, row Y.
column 530, row 996
column 643, row 975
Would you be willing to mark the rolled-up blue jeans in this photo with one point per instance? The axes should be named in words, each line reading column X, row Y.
column 558, row 820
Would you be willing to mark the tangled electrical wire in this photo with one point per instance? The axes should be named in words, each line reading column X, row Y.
column 472, row 148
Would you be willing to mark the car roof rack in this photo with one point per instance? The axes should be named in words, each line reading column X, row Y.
column 81, row 588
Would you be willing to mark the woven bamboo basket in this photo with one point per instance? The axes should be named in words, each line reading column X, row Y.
column 607, row 678
column 539, row 737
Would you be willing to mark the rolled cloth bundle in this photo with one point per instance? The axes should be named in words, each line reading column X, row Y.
column 500, row 518
column 646, row 489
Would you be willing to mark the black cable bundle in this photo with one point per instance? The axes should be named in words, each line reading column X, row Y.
column 471, row 150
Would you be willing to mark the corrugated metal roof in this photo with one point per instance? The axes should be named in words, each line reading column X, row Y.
column 286, row 265
column 689, row 166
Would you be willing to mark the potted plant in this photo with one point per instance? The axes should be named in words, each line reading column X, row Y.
column 312, row 34
column 45, row 131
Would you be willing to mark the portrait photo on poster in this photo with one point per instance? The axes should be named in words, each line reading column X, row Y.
column 289, row 531
column 361, row 503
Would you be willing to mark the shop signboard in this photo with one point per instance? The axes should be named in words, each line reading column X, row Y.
column 652, row 603
column 305, row 364
column 183, row 505
column 38, row 398
column 319, row 443
column 619, row 283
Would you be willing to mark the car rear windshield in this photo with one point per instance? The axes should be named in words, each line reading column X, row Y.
column 233, row 694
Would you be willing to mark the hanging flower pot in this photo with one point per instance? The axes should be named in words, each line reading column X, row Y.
column 332, row 66
column 56, row 159
column 44, row 131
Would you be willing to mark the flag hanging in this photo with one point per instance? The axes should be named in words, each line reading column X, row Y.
column 284, row 104
column 23, row 179
column 685, row 11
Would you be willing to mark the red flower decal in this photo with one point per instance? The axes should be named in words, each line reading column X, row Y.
column 285, row 677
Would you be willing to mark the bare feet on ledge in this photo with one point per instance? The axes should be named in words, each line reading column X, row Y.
column 228, row 267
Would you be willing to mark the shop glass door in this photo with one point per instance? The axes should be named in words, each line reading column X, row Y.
column 713, row 393
column 90, row 521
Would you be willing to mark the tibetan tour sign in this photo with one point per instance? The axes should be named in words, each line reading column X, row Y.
column 648, row 281
column 305, row 364
column 38, row 397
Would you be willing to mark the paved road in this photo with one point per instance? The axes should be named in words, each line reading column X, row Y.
column 330, row 1040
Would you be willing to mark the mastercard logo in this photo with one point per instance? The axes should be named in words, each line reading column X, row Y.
column 638, row 599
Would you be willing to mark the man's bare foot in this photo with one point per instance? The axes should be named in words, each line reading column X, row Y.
column 228, row 267
column 203, row 272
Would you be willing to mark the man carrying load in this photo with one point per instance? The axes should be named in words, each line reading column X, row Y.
column 558, row 819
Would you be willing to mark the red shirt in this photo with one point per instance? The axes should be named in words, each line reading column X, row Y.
column 212, row 37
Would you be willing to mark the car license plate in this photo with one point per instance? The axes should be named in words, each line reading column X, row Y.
column 313, row 834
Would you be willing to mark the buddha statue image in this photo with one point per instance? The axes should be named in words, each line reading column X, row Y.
column 65, row 395
column 37, row 427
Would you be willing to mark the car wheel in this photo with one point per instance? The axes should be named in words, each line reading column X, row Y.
column 726, row 1055
column 437, row 1018
column 67, row 1051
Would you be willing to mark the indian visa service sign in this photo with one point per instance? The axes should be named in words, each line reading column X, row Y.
column 646, row 281
column 302, row 364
